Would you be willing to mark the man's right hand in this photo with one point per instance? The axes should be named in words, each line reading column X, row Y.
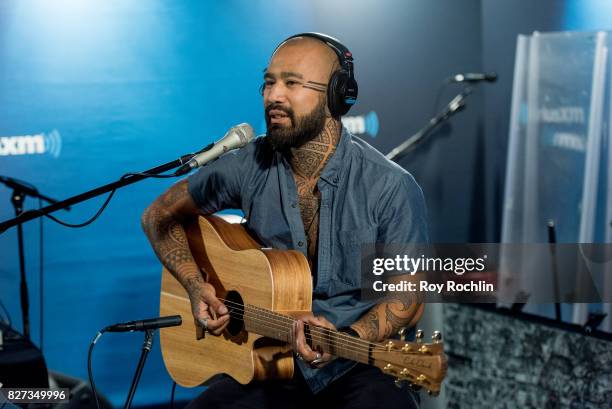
column 209, row 312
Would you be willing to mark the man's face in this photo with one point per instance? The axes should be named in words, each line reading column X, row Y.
column 294, row 93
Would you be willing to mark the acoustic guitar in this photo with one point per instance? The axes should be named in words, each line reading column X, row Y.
column 263, row 290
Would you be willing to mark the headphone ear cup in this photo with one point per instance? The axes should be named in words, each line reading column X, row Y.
column 335, row 94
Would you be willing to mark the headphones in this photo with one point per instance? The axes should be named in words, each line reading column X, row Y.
column 342, row 88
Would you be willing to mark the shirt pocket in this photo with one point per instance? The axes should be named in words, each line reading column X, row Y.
column 347, row 271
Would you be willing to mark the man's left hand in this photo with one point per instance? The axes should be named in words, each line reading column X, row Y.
column 316, row 358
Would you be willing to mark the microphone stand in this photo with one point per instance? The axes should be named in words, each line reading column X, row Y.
column 65, row 204
column 552, row 240
column 456, row 105
column 20, row 191
column 146, row 347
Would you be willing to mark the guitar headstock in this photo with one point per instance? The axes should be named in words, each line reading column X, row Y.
column 418, row 363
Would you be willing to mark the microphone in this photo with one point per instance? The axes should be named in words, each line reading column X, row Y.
column 144, row 325
column 473, row 77
column 237, row 137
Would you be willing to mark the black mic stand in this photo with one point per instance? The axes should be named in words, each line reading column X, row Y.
column 552, row 240
column 146, row 347
column 20, row 191
column 64, row 204
column 456, row 105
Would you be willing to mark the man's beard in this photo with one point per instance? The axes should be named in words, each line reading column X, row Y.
column 302, row 130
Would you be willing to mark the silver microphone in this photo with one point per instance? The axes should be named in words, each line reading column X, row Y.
column 474, row 77
column 237, row 137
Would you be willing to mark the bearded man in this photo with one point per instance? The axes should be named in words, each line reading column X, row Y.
column 308, row 185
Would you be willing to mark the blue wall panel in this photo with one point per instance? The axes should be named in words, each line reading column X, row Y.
column 127, row 85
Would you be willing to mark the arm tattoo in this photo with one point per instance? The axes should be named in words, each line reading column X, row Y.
column 168, row 238
column 393, row 321
column 385, row 319
column 368, row 327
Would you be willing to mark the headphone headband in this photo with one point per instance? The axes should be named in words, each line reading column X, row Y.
column 342, row 88
column 343, row 53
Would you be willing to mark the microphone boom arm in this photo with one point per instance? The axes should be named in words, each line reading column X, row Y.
column 455, row 105
column 35, row 214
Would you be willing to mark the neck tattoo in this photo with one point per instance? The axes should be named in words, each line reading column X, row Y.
column 308, row 160
column 307, row 163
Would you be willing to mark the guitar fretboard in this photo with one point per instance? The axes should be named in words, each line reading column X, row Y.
column 280, row 327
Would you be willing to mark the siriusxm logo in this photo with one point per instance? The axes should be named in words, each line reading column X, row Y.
column 362, row 124
column 40, row 144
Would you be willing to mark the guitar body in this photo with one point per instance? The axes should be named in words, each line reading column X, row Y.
column 243, row 272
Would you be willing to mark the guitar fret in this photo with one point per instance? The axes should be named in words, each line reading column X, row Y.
column 277, row 326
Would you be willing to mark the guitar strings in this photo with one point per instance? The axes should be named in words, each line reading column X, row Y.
column 358, row 351
column 364, row 354
column 281, row 319
column 289, row 320
column 315, row 335
column 233, row 311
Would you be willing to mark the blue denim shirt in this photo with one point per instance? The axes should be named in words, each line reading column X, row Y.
column 365, row 198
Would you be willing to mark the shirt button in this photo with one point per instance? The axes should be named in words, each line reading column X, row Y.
column 294, row 205
column 336, row 179
column 300, row 243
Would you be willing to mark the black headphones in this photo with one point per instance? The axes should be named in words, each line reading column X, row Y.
column 342, row 88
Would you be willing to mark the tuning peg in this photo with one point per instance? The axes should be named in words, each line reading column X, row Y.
column 419, row 335
column 389, row 346
column 436, row 337
column 398, row 382
column 402, row 333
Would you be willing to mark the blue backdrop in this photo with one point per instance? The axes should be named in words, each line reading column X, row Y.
column 126, row 85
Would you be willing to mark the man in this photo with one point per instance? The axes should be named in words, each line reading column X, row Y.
column 311, row 186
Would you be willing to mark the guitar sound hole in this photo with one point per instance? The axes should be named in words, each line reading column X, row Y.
column 235, row 305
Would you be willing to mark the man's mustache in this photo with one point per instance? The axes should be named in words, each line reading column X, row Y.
column 279, row 107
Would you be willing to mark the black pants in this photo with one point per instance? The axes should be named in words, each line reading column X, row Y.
column 363, row 387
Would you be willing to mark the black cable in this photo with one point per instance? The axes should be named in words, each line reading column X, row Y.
column 85, row 223
column 150, row 175
column 9, row 321
column 41, row 277
column 172, row 395
column 108, row 199
column 89, row 373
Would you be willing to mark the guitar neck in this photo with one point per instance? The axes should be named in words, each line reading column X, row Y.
column 278, row 326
